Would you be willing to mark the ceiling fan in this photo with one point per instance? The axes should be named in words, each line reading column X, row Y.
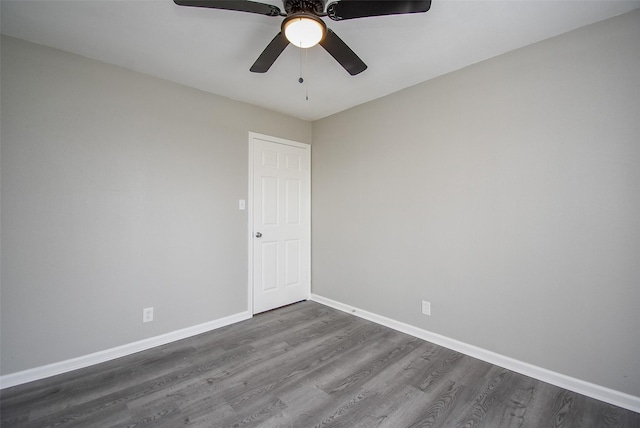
column 303, row 26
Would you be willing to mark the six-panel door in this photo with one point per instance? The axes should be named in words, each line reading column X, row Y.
column 281, row 230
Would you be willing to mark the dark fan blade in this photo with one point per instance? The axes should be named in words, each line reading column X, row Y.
column 349, row 9
column 239, row 5
column 342, row 53
column 270, row 54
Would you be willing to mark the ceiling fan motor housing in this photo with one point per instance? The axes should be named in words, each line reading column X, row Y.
column 303, row 25
column 315, row 7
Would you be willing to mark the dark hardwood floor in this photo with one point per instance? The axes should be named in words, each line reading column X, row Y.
column 304, row 365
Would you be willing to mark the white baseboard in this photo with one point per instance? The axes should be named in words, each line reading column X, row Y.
column 598, row 392
column 42, row 372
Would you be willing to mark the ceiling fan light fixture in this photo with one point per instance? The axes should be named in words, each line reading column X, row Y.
column 304, row 30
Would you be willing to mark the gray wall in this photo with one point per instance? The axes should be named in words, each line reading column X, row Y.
column 119, row 191
column 507, row 194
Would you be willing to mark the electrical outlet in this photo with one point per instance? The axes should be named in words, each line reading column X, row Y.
column 147, row 315
column 426, row 307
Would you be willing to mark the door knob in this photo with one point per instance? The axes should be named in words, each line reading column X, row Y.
column 258, row 235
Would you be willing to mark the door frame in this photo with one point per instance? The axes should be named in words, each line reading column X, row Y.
column 250, row 217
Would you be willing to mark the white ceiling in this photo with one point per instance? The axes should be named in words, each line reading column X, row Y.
column 212, row 50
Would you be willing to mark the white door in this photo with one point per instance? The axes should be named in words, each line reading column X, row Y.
column 280, row 216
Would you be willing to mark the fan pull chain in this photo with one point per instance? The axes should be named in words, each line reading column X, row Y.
column 300, row 79
column 303, row 72
column 306, row 70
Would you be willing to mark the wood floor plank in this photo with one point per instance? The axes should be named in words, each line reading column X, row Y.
column 439, row 406
column 388, row 394
column 567, row 410
column 304, row 365
column 513, row 410
column 290, row 368
column 496, row 391
column 387, row 388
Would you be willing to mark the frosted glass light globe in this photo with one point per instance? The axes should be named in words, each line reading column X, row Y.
column 304, row 32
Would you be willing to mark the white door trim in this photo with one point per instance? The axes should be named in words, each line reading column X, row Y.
column 250, row 232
